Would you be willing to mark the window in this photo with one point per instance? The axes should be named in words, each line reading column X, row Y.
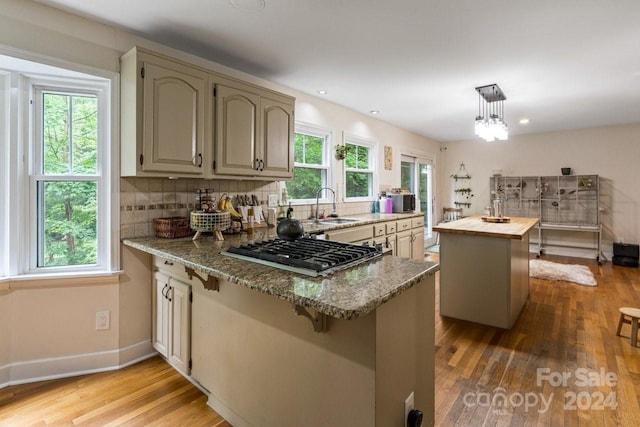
column 58, row 214
column 311, row 163
column 359, row 166
column 65, row 182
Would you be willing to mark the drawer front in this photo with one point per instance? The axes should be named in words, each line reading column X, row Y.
column 350, row 235
column 417, row 222
column 404, row 225
column 378, row 230
column 169, row 267
column 390, row 227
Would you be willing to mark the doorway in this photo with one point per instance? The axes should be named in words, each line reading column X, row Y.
column 416, row 174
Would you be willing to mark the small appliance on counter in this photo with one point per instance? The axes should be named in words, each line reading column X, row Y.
column 402, row 202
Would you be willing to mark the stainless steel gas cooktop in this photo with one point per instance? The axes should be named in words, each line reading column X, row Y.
column 306, row 255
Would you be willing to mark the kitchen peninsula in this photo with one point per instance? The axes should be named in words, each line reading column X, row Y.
column 369, row 344
column 484, row 269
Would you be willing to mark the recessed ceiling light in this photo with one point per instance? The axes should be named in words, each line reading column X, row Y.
column 248, row 5
column 321, row 92
column 374, row 112
column 524, row 121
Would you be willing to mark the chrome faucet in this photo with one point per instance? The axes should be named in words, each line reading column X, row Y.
column 318, row 200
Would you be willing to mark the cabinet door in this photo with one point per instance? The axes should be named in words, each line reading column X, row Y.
column 403, row 244
column 236, row 145
column 390, row 242
column 161, row 314
column 173, row 109
column 417, row 244
column 277, row 133
column 180, row 324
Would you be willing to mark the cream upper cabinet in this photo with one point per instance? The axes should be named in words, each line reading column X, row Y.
column 237, row 131
column 278, row 134
column 183, row 120
column 254, row 131
column 162, row 116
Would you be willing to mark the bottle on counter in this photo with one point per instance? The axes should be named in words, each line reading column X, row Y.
column 389, row 205
column 375, row 206
column 383, row 203
column 250, row 224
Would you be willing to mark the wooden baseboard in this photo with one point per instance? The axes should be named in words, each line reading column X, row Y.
column 73, row 365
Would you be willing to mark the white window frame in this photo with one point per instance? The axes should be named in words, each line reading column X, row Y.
column 24, row 69
column 37, row 88
column 372, row 145
column 5, row 101
column 327, row 135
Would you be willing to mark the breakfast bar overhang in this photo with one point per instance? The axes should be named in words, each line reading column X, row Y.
column 484, row 269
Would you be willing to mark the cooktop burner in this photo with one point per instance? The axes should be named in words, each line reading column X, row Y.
column 306, row 255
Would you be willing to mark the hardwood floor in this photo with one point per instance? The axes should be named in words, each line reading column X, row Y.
column 484, row 375
column 148, row 393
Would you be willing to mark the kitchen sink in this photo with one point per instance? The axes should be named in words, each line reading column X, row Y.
column 332, row 221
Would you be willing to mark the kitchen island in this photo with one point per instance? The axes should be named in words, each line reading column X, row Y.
column 369, row 344
column 484, row 269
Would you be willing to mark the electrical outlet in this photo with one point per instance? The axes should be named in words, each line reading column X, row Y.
column 103, row 320
column 408, row 406
column 273, row 200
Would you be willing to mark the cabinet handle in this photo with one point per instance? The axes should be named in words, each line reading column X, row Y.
column 167, row 262
column 261, row 165
column 169, row 290
column 163, row 294
column 200, row 156
column 257, row 164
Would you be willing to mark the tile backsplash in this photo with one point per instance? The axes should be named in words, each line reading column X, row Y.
column 144, row 199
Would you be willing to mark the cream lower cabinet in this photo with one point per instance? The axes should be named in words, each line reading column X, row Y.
column 410, row 238
column 171, row 335
column 162, row 116
column 382, row 232
column 351, row 235
column 254, row 131
column 403, row 244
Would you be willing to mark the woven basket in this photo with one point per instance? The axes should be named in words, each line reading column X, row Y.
column 172, row 227
column 205, row 221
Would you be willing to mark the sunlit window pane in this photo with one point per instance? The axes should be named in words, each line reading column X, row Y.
column 358, row 184
column 67, row 231
column 70, row 134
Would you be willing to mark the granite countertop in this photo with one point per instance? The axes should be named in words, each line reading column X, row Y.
column 475, row 226
column 346, row 294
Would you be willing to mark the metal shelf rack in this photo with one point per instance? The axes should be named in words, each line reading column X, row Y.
column 564, row 202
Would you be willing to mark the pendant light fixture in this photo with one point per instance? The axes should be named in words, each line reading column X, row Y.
column 490, row 124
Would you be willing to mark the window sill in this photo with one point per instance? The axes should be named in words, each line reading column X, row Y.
column 58, row 280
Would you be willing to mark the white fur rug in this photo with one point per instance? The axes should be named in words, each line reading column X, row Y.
column 565, row 272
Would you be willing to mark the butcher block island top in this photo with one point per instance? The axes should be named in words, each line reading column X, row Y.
column 475, row 226
column 346, row 294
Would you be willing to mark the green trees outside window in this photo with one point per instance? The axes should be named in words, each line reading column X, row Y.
column 67, row 190
column 358, row 178
column 310, row 171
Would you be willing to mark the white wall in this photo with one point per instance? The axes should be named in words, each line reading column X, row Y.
column 611, row 152
column 50, row 332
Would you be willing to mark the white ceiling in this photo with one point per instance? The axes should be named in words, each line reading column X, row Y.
column 564, row 64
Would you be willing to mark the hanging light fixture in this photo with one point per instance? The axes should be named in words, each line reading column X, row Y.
column 490, row 124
